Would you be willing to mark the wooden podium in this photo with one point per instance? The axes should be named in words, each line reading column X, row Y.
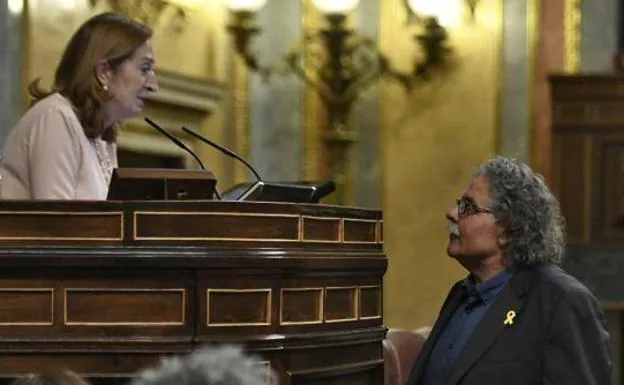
column 106, row 288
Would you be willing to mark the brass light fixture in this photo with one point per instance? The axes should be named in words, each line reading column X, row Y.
column 348, row 65
column 150, row 12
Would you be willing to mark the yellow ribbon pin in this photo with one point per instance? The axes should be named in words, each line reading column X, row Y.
column 509, row 318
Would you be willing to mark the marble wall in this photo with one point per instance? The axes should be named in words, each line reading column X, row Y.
column 11, row 90
column 517, row 65
column 276, row 129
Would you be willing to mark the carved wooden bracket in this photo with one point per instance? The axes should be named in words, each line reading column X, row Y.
column 155, row 13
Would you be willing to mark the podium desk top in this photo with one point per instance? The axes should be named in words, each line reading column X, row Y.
column 189, row 223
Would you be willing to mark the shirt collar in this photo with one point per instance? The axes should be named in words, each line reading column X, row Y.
column 488, row 290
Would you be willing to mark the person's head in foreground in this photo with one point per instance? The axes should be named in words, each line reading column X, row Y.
column 61, row 377
column 224, row 365
column 507, row 216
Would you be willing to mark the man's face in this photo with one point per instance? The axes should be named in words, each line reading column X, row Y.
column 474, row 234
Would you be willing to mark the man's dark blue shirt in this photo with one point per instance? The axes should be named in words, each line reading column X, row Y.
column 477, row 300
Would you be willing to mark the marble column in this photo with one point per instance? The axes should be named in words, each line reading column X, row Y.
column 365, row 156
column 11, row 97
column 276, row 128
column 517, row 58
column 599, row 35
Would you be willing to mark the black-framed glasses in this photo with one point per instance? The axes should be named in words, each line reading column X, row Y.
column 466, row 206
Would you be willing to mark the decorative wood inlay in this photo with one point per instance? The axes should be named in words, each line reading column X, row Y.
column 301, row 306
column 205, row 226
column 77, row 226
column 359, row 231
column 380, row 234
column 253, row 307
column 322, row 229
column 577, row 113
column 347, row 374
column 370, row 302
column 267, row 371
column 116, row 307
column 26, row 307
column 341, row 304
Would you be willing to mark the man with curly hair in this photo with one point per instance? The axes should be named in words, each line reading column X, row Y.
column 517, row 318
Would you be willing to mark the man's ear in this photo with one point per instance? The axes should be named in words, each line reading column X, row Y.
column 503, row 237
column 103, row 73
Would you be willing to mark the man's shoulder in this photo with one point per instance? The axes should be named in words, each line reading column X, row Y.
column 558, row 283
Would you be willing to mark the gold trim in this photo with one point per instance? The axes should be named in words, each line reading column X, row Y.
column 572, row 36
column 267, row 375
column 533, row 13
column 376, row 236
column 241, row 117
column 356, row 304
column 338, row 236
column 203, row 213
column 74, row 289
column 379, row 305
column 268, row 303
column 310, row 21
column 499, row 79
column 320, row 304
column 67, row 213
column 51, row 291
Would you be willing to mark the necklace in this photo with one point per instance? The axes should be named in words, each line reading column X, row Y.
column 104, row 159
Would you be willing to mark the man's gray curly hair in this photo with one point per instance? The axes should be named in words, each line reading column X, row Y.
column 225, row 365
column 527, row 209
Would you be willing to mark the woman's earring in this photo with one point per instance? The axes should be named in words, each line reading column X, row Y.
column 105, row 87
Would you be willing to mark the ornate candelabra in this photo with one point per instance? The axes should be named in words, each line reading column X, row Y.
column 346, row 65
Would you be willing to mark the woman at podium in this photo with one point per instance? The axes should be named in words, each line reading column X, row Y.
column 64, row 147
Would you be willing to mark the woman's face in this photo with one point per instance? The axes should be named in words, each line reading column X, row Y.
column 130, row 84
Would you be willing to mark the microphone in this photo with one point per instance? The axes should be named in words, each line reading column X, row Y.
column 180, row 144
column 271, row 191
column 175, row 140
column 222, row 149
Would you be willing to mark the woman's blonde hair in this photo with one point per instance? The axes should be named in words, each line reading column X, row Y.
column 108, row 36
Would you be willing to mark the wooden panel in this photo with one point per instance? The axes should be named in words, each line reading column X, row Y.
column 199, row 226
column 60, row 226
column 341, row 354
column 571, row 179
column 26, row 306
column 252, row 307
column 110, row 310
column 301, row 306
column 320, row 229
column 608, row 204
column 108, row 307
column 370, row 302
column 94, row 363
column 341, row 304
column 360, row 231
column 356, row 374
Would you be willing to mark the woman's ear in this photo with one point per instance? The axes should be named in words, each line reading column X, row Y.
column 103, row 73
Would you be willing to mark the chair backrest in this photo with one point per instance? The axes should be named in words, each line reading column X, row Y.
column 400, row 350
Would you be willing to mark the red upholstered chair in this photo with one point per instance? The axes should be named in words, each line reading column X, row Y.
column 400, row 350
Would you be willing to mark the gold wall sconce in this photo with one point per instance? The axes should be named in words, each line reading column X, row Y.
column 346, row 65
column 154, row 13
